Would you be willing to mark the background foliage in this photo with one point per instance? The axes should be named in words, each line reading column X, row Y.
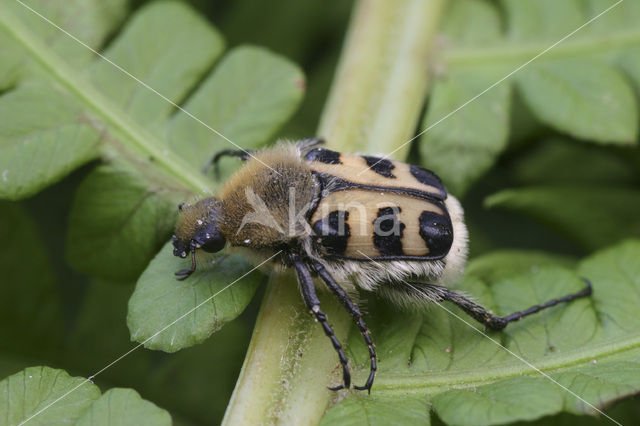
column 546, row 163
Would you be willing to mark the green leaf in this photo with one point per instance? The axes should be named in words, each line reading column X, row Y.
column 548, row 161
column 247, row 99
column 162, row 310
column 523, row 399
column 622, row 16
column 576, row 87
column 123, row 407
column 590, row 215
column 461, row 146
column 44, row 135
column 166, row 45
column 46, row 396
column 503, row 264
column 119, row 220
column 10, row 64
column 91, row 21
column 617, row 272
column 591, row 346
column 542, row 19
column 585, row 99
column 36, row 389
column 126, row 139
column 370, row 410
column 469, row 23
column 600, row 386
column 630, row 63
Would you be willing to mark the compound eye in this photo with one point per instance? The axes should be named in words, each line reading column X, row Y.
column 212, row 239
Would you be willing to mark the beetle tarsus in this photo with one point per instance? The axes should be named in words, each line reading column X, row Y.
column 184, row 274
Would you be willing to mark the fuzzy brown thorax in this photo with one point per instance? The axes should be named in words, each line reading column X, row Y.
column 266, row 203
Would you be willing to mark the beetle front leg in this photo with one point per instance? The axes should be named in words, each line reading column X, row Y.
column 186, row 273
column 240, row 153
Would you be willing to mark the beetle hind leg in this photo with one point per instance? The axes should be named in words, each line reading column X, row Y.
column 494, row 322
column 498, row 323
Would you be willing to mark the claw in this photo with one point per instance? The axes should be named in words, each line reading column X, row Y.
column 183, row 274
column 365, row 387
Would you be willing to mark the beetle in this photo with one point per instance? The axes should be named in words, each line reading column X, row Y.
column 353, row 221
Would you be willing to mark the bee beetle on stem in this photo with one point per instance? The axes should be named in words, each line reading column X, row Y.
column 351, row 220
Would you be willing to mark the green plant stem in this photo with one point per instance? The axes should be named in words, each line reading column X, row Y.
column 131, row 135
column 374, row 105
column 289, row 363
column 382, row 78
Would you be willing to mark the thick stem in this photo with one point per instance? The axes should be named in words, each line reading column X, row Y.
column 383, row 76
column 289, row 363
column 374, row 105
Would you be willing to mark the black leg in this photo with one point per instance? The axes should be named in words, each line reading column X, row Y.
column 353, row 309
column 240, row 153
column 313, row 303
column 491, row 321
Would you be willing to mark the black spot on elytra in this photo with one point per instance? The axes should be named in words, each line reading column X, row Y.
column 436, row 230
column 427, row 177
column 323, row 155
column 387, row 232
column 380, row 166
column 333, row 231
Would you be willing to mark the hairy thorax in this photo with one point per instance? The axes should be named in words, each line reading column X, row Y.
column 266, row 203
